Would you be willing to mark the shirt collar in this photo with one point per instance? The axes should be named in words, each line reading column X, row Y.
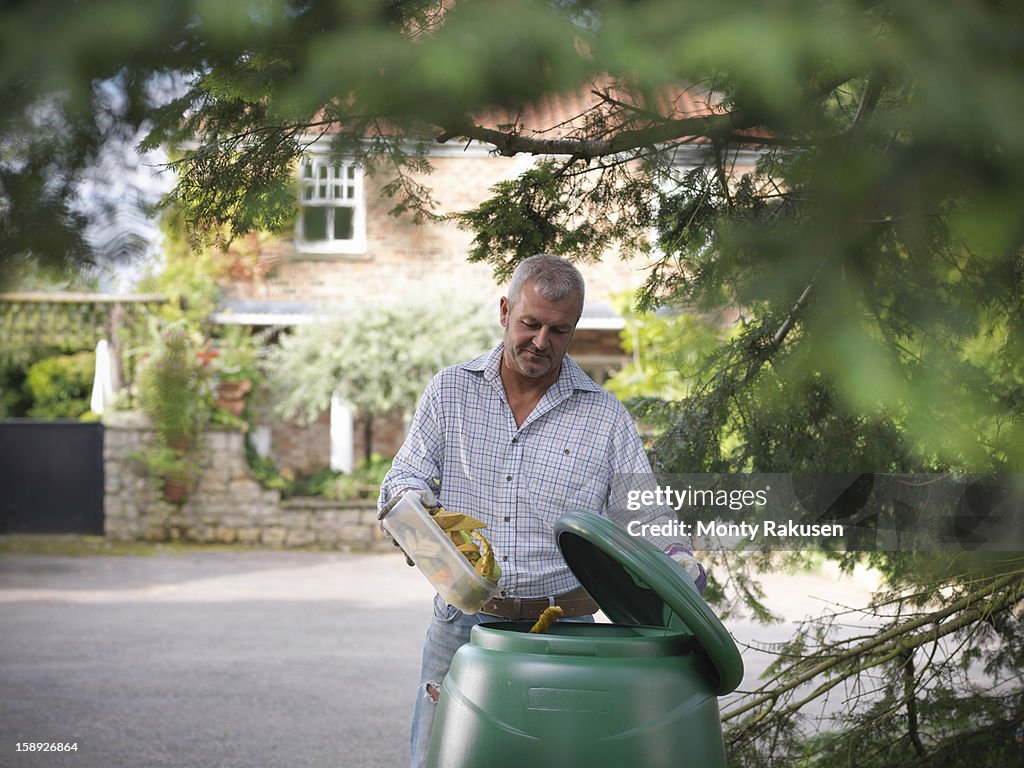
column 570, row 378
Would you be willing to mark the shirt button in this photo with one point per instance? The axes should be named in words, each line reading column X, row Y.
column 507, row 519
column 508, row 477
column 504, row 557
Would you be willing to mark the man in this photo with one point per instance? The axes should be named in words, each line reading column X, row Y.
column 515, row 438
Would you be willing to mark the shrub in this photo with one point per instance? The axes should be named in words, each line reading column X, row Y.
column 175, row 395
column 174, row 389
column 60, row 386
column 14, row 398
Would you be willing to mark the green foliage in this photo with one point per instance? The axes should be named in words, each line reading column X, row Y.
column 931, row 682
column 14, row 400
column 670, row 349
column 168, row 463
column 266, row 471
column 363, row 482
column 71, row 271
column 187, row 278
column 377, row 358
column 175, row 394
column 237, row 355
column 60, row 386
column 539, row 212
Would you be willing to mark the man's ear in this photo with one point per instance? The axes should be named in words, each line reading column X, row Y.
column 503, row 311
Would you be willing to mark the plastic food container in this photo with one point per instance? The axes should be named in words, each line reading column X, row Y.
column 642, row 692
column 452, row 575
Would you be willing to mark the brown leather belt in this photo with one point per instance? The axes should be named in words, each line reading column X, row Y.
column 575, row 603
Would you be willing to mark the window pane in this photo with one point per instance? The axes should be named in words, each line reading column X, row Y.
column 343, row 223
column 330, row 195
column 314, row 223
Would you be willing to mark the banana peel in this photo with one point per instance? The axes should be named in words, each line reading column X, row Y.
column 456, row 521
column 547, row 619
column 464, row 531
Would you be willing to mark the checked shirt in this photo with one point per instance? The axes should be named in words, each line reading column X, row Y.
column 578, row 449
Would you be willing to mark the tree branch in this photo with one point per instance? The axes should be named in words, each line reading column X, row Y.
column 683, row 130
column 887, row 645
column 911, row 699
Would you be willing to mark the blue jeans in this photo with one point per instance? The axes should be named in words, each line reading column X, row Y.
column 449, row 630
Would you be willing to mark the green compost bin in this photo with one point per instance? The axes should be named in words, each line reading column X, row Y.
column 641, row 692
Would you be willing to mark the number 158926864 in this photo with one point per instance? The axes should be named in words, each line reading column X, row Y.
column 46, row 746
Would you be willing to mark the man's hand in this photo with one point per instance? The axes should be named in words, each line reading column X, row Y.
column 427, row 499
column 689, row 564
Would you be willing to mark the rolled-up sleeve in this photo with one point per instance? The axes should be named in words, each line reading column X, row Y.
column 419, row 463
column 634, row 502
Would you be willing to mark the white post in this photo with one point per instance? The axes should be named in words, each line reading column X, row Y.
column 341, row 436
column 102, row 380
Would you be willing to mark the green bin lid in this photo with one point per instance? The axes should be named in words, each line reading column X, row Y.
column 636, row 583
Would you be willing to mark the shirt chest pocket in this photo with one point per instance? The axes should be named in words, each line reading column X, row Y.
column 561, row 476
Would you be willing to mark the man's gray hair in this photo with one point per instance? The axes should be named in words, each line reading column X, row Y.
column 555, row 277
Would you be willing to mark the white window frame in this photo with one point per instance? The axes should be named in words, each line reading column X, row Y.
column 331, row 184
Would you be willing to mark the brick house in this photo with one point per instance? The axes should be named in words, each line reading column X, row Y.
column 346, row 245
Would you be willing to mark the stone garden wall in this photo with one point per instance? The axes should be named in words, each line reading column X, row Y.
column 227, row 505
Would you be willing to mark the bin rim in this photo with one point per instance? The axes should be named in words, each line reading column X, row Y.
column 586, row 639
column 636, row 583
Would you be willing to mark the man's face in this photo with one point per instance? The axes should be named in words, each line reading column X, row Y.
column 537, row 332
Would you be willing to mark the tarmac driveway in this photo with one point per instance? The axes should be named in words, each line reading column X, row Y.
column 255, row 659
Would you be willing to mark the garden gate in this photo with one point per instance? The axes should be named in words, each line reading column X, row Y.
column 51, row 477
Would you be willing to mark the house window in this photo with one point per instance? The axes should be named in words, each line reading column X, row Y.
column 332, row 216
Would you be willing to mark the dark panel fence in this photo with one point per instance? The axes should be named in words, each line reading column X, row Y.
column 51, row 477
